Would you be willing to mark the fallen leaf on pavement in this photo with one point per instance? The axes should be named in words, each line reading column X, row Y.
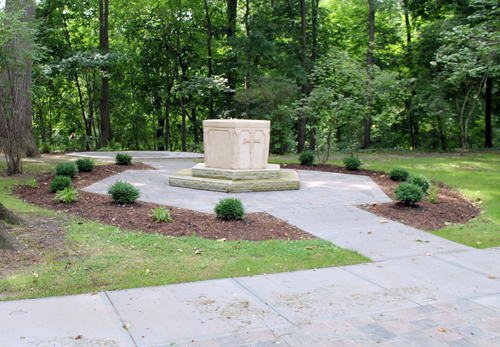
column 429, row 254
column 492, row 277
column 93, row 293
column 384, row 221
column 369, row 232
column 442, row 330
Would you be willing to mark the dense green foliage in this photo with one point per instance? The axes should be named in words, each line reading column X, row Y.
column 170, row 65
column 229, row 208
column 66, row 195
column 307, row 158
column 123, row 159
column 59, row 183
column 399, row 174
column 421, row 181
column 408, row 193
column 352, row 163
column 85, row 164
column 66, row 169
column 161, row 215
column 123, row 192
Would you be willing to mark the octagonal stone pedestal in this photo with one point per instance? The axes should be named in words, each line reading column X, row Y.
column 236, row 154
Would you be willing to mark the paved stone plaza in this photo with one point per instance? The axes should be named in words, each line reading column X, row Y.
column 421, row 290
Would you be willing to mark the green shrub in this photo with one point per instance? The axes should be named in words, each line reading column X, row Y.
column 161, row 215
column 59, row 183
column 229, row 208
column 33, row 183
column 433, row 194
column 352, row 163
column 123, row 159
column 46, row 148
column 66, row 169
column 123, row 192
column 399, row 174
column 66, row 195
column 408, row 193
column 85, row 164
column 307, row 158
column 421, row 181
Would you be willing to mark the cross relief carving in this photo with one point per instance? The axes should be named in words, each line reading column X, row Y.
column 251, row 140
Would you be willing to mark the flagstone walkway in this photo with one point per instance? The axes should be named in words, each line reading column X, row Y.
column 421, row 290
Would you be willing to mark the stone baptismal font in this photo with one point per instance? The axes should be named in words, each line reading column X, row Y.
column 236, row 155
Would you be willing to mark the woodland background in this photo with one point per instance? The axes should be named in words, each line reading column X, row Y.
column 331, row 75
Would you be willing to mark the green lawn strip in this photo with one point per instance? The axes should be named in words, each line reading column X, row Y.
column 476, row 176
column 116, row 259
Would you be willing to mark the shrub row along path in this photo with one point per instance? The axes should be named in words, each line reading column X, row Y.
column 420, row 290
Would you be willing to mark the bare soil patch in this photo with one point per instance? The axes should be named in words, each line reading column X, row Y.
column 450, row 207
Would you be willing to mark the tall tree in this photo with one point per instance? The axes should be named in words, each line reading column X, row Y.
column 304, row 84
column 104, row 46
column 232, row 12
column 369, row 68
column 16, row 39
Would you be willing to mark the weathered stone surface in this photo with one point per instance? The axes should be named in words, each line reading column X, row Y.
column 236, row 144
column 288, row 180
column 271, row 171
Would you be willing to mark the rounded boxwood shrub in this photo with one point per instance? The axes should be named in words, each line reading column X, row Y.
column 421, row 181
column 59, row 183
column 408, row 193
column 352, row 163
column 85, row 164
column 307, row 158
column 123, row 159
column 123, row 192
column 399, row 174
column 66, row 169
column 229, row 208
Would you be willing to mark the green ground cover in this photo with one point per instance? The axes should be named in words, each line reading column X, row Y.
column 97, row 256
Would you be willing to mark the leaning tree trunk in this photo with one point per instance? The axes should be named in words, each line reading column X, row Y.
column 369, row 66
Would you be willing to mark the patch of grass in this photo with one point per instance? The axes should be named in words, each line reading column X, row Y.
column 475, row 176
column 110, row 258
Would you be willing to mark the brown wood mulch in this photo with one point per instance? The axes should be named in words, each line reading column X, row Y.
column 136, row 216
column 450, row 206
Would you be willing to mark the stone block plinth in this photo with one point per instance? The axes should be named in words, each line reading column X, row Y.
column 271, row 171
column 236, row 144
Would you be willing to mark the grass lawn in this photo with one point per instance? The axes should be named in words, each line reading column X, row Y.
column 476, row 176
column 97, row 256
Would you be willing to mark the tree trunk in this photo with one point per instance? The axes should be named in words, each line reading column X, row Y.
column 104, row 46
column 369, row 66
column 302, row 119
column 10, row 217
column 315, row 5
column 209, row 51
column 488, row 136
column 232, row 12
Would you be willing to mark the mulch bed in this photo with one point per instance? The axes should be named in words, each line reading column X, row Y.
column 450, row 207
column 136, row 216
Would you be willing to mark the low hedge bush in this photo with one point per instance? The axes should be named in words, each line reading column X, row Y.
column 421, row 181
column 399, row 174
column 85, row 164
column 123, row 192
column 307, row 158
column 66, row 169
column 408, row 193
column 352, row 163
column 123, row 159
column 229, row 208
column 59, row 183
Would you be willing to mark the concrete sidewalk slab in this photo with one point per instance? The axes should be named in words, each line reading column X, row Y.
column 425, row 279
column 58, row 321
column 384, row 241
column 193, row 311
column 314, row 295
column 483, row 260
